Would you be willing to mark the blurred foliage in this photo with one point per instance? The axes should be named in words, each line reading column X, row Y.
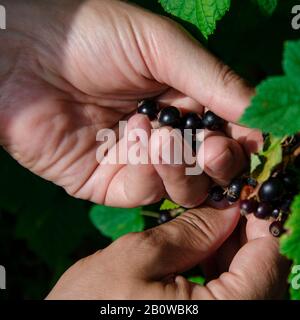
column 43, row 230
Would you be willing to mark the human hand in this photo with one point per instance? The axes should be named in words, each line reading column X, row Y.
column 71, row 68
column 147, row 265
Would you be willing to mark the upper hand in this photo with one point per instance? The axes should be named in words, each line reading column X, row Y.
column 81, row 66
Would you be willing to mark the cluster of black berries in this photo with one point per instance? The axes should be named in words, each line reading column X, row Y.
column 272, row 198
column 171, row 116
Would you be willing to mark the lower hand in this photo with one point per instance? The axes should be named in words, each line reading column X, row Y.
column 242, row 265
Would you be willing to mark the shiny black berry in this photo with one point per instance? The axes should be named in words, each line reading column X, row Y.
column 275, row 213
column 286, row 204
column 263, row 210
column 251, row 182
column 289, row 181
column 191, row 121
column 216, row 193
column 236, row 186
column 231, row 198
column 169, row 116
column 276, row 228
column 271, row 190
column 148, row 108
column 248, row 206
column 212, row 122
column 164, row 217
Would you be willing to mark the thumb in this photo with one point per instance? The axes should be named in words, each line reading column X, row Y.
column 178, row 60
column 182, row 243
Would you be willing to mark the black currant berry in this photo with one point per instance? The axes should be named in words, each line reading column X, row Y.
column 297, row 162
column 263, row 210
column 169, row 116
column 216, row 193
column 148, row 108
column 275, row 213
column 164, row 217
column 251, row 182
column 236, row 187
column 289, row 182
column 248, row 206
column 212, row 122
column 231, row 198
column 286, row 204
column 276, row 228
column 271, row 190
column 191, row 121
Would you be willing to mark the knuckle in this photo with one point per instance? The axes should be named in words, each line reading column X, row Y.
column 226, row 75
column 140, row 241
column 197, row 224
column 151, row 238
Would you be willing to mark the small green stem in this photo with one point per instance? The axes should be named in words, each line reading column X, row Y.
column 150, row 214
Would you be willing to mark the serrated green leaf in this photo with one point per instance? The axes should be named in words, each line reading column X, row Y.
column 115, row 222
column 255, row 162
column 168, row 205
column 272, row 156
column 267, row 6
column 291, row 61
column 204, row 14
column 197, row 279
column 275, row 108
column 290, row 243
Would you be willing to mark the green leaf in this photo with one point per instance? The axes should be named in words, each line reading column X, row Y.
column 168, row 205
column 291, row 61
column 289, row 242
column 255, row 162
column 115, row 222
column 267, row 6
column 275, row 108
column 202, row 13
column 269, row 158
column 197, row 279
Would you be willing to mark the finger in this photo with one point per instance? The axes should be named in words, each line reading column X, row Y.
column 257, row 271
column 177, row 99
column 250, row 139
column 223, row 158
column 136, row 183
column 184, row 183
column 178, row 245
column 176, row 59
